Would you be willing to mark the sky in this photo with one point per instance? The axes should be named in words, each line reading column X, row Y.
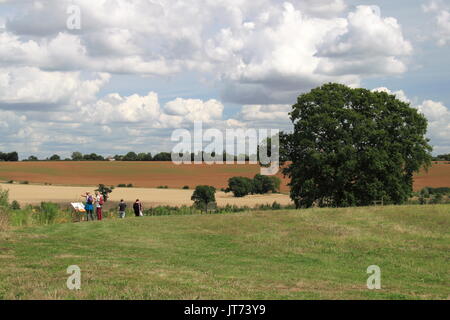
column 112, row 76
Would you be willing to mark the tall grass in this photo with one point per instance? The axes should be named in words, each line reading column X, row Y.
column 4, row 219
column 4, row 203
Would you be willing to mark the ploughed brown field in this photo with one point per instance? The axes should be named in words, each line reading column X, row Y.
column 140, row 174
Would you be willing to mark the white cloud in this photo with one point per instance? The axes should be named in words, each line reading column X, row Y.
column 251, row 47
column 195, row 110
column 262, row 54
column 365, row 44
column 400, row 94
column 324, row 8
column 438, row 116
column 29, row 86
column 265, row 112
column 441, row 13
column 285, row 51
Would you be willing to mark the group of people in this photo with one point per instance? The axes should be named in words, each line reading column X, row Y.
column 98, row 201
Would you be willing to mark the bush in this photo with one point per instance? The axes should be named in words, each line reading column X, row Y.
column 15, row 205
column 104, row 191
column 21, row 218
column 46, row 214
column 24, row 182
column 265, row 184
column 123, row 185
column 203, row 196
column 162, row 187
column 4, row 198
column 240, row 186
column 186, row 188
column 276, row 206
column 10, row 181
column 437, row 198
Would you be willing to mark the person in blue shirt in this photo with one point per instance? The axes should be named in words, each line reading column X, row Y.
column 89, row 206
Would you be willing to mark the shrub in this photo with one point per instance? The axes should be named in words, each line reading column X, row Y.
column 162, row 187
column 10, row 181
column 437, row 198
column 276, row 206
column 47, row 213
column 21, row 218
column 105, row 191
column 203, row 196
column 24, row 182
column 4, row 198
column 276, row 182
column 186, row 188
column 265, row 184
column 123, row 185
column 15, row 205
column 240, row 186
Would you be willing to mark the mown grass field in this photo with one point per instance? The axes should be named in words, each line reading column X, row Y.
column 305, row 254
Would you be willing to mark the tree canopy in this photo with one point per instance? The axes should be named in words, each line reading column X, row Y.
column 204, row 195
column 351, row 147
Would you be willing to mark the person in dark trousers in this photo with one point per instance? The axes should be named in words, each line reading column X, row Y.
column 137, row 207
column 122, row 208
column 99, row 201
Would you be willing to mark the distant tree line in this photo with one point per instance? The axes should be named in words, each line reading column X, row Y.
column 133, row 156
column 10, row 157
column 442, row 157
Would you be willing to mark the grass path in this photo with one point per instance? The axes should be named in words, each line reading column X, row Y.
column 309, row 254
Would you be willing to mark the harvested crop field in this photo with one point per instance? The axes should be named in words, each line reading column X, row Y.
column 35, row 194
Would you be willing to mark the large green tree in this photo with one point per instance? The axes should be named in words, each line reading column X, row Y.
column 351, row 147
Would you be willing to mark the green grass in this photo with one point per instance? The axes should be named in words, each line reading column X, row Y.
column 306, row 254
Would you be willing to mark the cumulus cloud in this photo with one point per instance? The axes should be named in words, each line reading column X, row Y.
column 265, row 112
column 441, row 13
column 195, row 109
column 437, row 114
column 285, row 51
column 261, row 54
column 400, row 94
column 250, row 47
column 31, row 88
column 366, row 44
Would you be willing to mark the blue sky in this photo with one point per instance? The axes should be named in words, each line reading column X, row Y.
column 137, row 70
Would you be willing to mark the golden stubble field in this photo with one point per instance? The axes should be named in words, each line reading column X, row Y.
column 35, row 194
